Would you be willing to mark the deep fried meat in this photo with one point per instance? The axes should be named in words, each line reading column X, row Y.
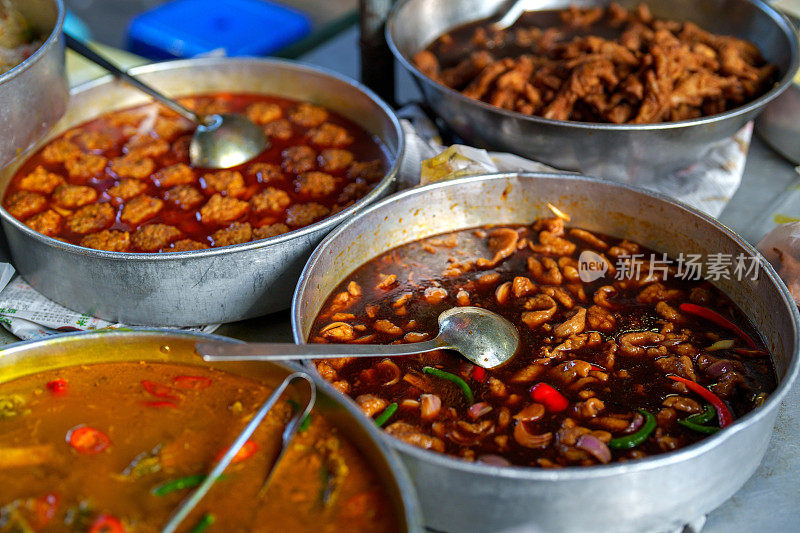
column 236, row 233
column 140, row 209
column 308, row 115
column 315, row 184
column 85, row 166
column 227, row 182
column 179, row 174
column 109, row 240
column 272, row 230
column 153, row 237
column 24, row 204
column 72, row 196
column 48, row 223
column 222, row 210
column 184, row 197
column 300, row 215
column 270, row 200
column 127, row 188
column 91, row 218
column 40, row 180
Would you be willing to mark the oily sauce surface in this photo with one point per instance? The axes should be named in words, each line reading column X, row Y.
column 620, row 341
column 166, row 422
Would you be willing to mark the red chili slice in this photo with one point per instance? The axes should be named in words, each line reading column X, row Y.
column 107, row 523
column 548, row 396
column 161, row 403
column 718, row 319
column 245, row 452
column 191, row 382
column 45, row 508
column 88, row 440
column 723, row 413
column 478, row 373
column 160, row 390
column 58, row 386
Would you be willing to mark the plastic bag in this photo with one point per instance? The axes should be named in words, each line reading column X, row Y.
column 781, row 247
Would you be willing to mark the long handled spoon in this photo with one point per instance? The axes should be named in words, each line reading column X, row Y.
column 483, row 337
column 220, row 141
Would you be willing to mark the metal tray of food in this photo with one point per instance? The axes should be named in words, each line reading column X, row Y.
column 658, row 493
column 164, row 346
column 205, row 286
column 634, row 153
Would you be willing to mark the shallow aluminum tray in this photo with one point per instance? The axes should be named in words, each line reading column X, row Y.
column 660, row 493
column 34, row 94
column 640, row 153
column 206, row 286
column 166, row 346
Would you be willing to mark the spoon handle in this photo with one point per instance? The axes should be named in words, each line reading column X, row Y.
column 79, row 47
column 278, row 351
column 512, row 15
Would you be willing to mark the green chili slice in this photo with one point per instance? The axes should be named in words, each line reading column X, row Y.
column 453, row 378
column 708, row 430
column 188, row 482
column 306, row 422
column 386, row 414
column 634, row 439
column 704, row 417
column 203, row 524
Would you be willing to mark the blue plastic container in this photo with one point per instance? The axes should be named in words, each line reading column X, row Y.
column 187, row 28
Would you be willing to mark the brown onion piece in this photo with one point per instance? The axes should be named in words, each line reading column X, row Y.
column 388, row 368
column 530, row 440
column 477, row 410
column 493, row 460
column 430, row 407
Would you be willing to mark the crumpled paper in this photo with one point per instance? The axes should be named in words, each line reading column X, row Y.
column 707, row 185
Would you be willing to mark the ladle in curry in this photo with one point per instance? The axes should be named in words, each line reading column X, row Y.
column 512, row 15
column 220, row 141
column 192, row 500
column 483, row 337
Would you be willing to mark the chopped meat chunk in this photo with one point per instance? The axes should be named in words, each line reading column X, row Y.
column 236, row 233
column 366, row 170
column 47, row 223
column 272, row 230
column 330, row 135
column 299, row 159
column 353, row 191
column 91, row 218
column 109, row 240
column 186, row 245
column 60, row 151
column 178, row 174
column 24, row 204
column 40, row 180
column 316, row 184
column 308, row 115
column 270, row 200
column 140, row 209
column 184, row 197
column 85, row 166
column 127, row 188
column 72, row 196
column 263, row 112
column 280, row 130
column 133, row 165
column 266, row 172
column 300, row 215
column 223, row 210
column 227, row 182
column 153, row 237
column 95, row 140
column 147, row 146
column 334, row 159
column 168, row 128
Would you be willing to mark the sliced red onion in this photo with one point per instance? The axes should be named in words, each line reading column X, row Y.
column 530, row 440
column 479, row 409
column 719, row 367
column 390, row 371
column 635, row 424
column 594, row 446
column 494, row 460
column 430, row 406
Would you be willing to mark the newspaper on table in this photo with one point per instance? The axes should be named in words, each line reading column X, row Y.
column 707, row 185
column 29, row 315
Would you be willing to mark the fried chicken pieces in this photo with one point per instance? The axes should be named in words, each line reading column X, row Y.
column 653, row 71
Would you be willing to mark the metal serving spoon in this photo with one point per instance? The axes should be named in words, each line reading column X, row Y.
column 484, row 338
column 220, row 141
column 188, row 504
column 512, row 15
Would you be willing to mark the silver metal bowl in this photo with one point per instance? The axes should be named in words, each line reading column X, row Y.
column 205, row 286
column 26, row 358
column 34, row 94
column 659, row 493
column 633, row 153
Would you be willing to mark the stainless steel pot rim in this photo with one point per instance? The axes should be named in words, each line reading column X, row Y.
column 413, row 514
column 49, row 43
column 785, row 81
column 326, row 223
column 573, row 472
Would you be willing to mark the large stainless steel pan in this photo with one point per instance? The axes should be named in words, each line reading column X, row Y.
column 638, row 153
column 34, row 94
column 654, row 494
column 206, row 286
column 25, row 358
